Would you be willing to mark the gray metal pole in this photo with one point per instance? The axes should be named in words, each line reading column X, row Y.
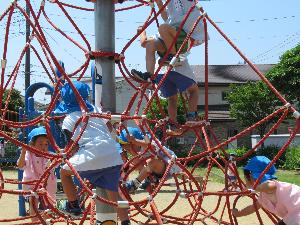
column 105, row 41
column 105, row 93
column 27, row 55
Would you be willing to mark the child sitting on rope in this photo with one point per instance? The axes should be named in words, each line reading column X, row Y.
column 280, row 198
column 34, row 167
column 155, row 166
column 96, row 157
column 173, row 15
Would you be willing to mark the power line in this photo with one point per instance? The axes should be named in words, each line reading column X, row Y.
column 232, row 21
column 291, row 39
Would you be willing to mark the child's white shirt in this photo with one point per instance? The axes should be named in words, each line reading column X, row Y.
column 97, row 149
column 177, row 9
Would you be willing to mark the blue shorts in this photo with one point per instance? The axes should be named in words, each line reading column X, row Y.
column 107, row 178
column 174, row 83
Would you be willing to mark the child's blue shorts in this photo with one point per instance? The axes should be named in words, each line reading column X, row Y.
column 107, row 178
column 174, row 83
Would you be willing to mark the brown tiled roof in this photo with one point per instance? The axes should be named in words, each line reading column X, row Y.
column 228, row 74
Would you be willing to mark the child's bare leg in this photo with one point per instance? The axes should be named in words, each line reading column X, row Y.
column 151, row 47
column 68, row 184
column 154, row 165
column 168, row 33
column 143, row 37
column 122, row 212
column 157, row 166
column 31, row 209
column 193, row 97
column 172, row 107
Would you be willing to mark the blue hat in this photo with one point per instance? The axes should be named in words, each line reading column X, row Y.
column 135, row 132
column 71, row 103
column 36, row 132
column 257, row 165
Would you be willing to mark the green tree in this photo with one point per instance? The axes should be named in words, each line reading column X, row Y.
column 252, row 102
column 155, row 113
column 15, row 101
column 285, row 76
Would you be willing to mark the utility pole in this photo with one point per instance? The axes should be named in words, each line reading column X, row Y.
column 105, row 41
column 27, row 55
column 22, row 209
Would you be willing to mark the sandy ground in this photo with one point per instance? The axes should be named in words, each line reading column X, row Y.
column 182, row 207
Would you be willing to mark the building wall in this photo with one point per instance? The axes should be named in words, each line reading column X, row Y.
column 223, row 129
column 214, row 95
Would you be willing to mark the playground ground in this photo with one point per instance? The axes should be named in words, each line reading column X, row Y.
column 9, row 204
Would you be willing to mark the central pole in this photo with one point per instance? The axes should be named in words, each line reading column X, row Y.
column 105, row 92
column 105, row 41
column 27, row 55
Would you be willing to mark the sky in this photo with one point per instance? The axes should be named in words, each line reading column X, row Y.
column 262, row 30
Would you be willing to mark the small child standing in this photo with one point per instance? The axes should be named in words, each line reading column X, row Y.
column 280, row 198
column 96, row 157
column 155, row 166
column 34, row 167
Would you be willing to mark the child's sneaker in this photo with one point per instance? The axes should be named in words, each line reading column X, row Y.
column 131, row 186
column 193, row 119
column 174, row 130
column 145, row 184
column 66, row 208
column 140, row 75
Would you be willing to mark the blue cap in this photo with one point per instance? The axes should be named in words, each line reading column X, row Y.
column 71, row 103
column 257, row 165
column 36, row 132
column 68, row 94
column 135, row 132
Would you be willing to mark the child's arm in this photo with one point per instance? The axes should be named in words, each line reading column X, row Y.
column 245, row 211
column 266, row 187
column 21, row 161
column 164, row 14
column 140, row 143
column 68, row 135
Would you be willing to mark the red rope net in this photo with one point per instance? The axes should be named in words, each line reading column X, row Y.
column 187, row 189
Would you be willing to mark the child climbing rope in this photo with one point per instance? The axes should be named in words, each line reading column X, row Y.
column 34, row 167
column 96, row 157
column 180, row 80
column 173, row 15
column 280, row 198
column 155, row 166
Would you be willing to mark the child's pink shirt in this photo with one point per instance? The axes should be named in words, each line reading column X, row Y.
column 34, row 168
column 287, row 202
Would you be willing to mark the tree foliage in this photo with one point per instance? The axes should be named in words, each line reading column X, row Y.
column 155, row 113
column 252, row 102
column 15, row 100
column 285, row 76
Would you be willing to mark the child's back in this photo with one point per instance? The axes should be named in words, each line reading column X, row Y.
column 97, row 149
column 285, row 202
column 177, row 10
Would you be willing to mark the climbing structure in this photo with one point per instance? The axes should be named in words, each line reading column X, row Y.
column 187, row 189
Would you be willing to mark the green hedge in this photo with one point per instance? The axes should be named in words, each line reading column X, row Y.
column 292, row 158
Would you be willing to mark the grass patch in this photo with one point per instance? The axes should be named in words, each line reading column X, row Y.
column 216, row 175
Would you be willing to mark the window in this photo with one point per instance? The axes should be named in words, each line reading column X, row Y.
column 232, row 132
column 224, row 95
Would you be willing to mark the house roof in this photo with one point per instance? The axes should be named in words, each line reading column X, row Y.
column 225, row 74
column 228, row 74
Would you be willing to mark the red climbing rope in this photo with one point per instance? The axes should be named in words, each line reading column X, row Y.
column 206, row 152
